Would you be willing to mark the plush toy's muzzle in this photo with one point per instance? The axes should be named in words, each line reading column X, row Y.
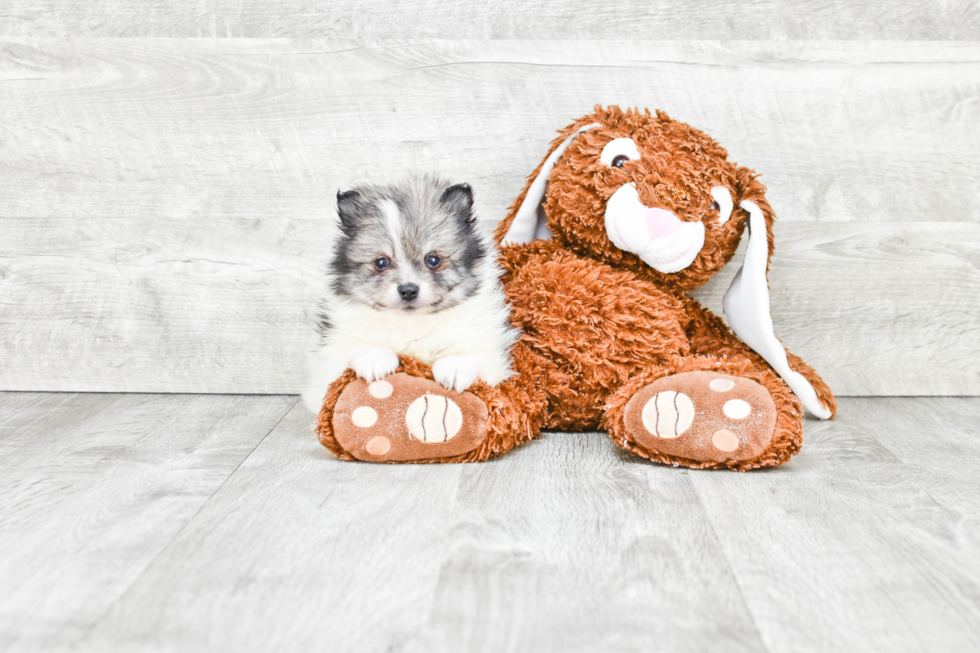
column 661, row 239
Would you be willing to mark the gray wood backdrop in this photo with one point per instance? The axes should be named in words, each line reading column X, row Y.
column 166, row 194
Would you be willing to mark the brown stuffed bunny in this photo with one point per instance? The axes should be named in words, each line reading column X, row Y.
column 626, row 214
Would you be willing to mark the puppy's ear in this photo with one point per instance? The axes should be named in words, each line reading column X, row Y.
column 747, row 300
column 526, row 220
column 458, row 201
column 349, row 209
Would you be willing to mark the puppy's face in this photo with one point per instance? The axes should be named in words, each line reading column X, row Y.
column 411, row 248
column 650, row 193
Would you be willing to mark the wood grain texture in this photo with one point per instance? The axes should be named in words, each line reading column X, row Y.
column 868, row 540
column 561, row 546
column 300, row 552
column 167, row 203
column 186, row 128
column 589, row 551
column 548, row 19
column 877, row 518
column 122, row 306
column 114, row 305
column 94, row 486
column 876, row 309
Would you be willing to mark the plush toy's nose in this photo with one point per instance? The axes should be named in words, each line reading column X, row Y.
column 661, row 223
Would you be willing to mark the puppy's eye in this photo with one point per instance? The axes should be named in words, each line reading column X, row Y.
column 382, row 263
column 715, row 206
column 432, row 261
column 618, row 151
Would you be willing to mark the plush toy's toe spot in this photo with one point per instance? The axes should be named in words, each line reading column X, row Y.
column 412, row 419
column 721, row 385
column 668, row 414
column 364, row 417
column 737, row 409
column 686, row 416
column 378, row 446
column 433, row 418
column 380, row 389
column 725, row 440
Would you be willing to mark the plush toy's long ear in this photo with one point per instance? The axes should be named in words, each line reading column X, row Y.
column 747, row 300
column 526, row 220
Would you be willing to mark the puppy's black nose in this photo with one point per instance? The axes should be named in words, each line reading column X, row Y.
column 408, row 291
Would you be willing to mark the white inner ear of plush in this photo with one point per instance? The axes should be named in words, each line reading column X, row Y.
column 724, row 199
column 616, row 147
column 530, row 222
column 747, row 310
column 661, row 239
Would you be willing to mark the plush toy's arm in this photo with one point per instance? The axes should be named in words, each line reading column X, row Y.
column 710, row 336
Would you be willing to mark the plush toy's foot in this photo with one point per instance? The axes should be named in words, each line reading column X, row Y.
column 704, row 416
column 707, row 418
column 409, row 418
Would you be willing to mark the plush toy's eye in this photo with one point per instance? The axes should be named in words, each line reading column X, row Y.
column 618, row 151
column 433, row 261
column 382, row 263
column 722, row 203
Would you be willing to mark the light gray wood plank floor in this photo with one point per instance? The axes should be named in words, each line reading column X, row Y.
column 190, row 522
column 94, row 487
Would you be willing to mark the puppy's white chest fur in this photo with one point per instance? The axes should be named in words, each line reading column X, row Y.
column 475, row 330
column 426, row 337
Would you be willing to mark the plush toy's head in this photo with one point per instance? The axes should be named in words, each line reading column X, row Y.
column 639, row 190
column 660, row 198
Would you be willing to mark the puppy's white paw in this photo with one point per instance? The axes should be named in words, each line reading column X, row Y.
column 455, row 372
column 374, row 363
column 313, row 396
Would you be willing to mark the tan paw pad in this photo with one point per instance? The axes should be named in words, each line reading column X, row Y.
column 725, row 440
column 433, row 418
column 364, row 416
column 378, row 446
column 737, row 409
column 380, row 389
column 721, row 385
column 405, row 418
column 668, row 414
column 702, row 416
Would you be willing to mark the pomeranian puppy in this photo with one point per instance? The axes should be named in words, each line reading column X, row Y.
column 412, row 274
